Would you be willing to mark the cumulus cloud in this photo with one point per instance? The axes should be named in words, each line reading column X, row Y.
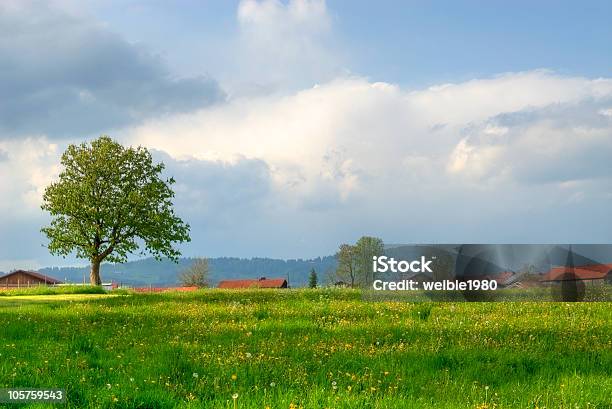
column 559, row 143
column 351, row 130
column 363, row 155
column 283, row 46
column 26, row 168
column 65, row 75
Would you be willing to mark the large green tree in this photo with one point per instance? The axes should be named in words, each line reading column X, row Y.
column 111, row 201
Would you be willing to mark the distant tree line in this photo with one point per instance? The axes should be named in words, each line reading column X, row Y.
column 166, row 272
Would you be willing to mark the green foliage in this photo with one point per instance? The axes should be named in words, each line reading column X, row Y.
column 108, row 199
column 355, row 261
column 366, row 248
column 312, row 279
column 310, row 348
column 347, row 264
column 196, row 275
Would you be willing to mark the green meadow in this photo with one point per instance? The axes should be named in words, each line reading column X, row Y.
column 306, row 349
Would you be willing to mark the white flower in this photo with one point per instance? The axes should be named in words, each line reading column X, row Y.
column 248, row 355
column 195, row 375
column 235, row 396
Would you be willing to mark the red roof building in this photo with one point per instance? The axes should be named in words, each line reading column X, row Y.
column 262, row 282
column 22, row 278
column 503, row 278
column 586, row 272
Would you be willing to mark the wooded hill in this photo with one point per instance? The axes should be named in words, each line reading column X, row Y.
column 159, row 273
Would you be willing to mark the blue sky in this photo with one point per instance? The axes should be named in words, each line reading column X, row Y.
column 406, row 42
column 294, row 126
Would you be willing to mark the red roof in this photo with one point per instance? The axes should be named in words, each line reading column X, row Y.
column 500, row 278
column 256, row 283
column 586, row 272
column 162, row 289
column 38, row 276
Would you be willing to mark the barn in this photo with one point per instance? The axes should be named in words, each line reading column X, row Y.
column 22, row 278
column 262, row 282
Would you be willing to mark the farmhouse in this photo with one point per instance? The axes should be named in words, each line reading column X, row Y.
column 262, row 282
column 22, row 278
column 591, row 272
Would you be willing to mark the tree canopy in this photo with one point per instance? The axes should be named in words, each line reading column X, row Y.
column 109, row 202
column 355, row 261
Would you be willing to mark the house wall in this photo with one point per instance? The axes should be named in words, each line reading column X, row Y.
column 20, row 280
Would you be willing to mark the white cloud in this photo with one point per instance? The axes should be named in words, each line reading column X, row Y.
column 371, row 154
column 606, row 112
column 29, row 166
column 281, row 46
column 350, row 130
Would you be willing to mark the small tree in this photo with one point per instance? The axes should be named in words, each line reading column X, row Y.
column 312, row 279
column 365, row 249
column 196, row 275
column 108, row 201
column 347, row 264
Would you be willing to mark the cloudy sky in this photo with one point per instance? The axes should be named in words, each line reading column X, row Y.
column 293, row 126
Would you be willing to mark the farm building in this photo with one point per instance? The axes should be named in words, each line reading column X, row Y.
column 262, row 282
column 591, row 272
column 22, row 278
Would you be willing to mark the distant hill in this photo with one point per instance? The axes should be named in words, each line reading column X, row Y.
column 162, row 273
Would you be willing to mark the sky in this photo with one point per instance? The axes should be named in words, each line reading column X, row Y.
column 294, row 126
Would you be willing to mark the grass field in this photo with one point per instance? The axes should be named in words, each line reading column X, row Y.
column 45, row 290
column 307, row 349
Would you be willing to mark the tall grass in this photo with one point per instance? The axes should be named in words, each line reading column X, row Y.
column 308, row 349
column 48, row 290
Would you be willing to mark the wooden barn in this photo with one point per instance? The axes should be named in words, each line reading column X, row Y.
column 262, row 282
column 22, row 278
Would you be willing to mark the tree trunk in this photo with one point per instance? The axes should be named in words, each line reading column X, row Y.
column 94, row 274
